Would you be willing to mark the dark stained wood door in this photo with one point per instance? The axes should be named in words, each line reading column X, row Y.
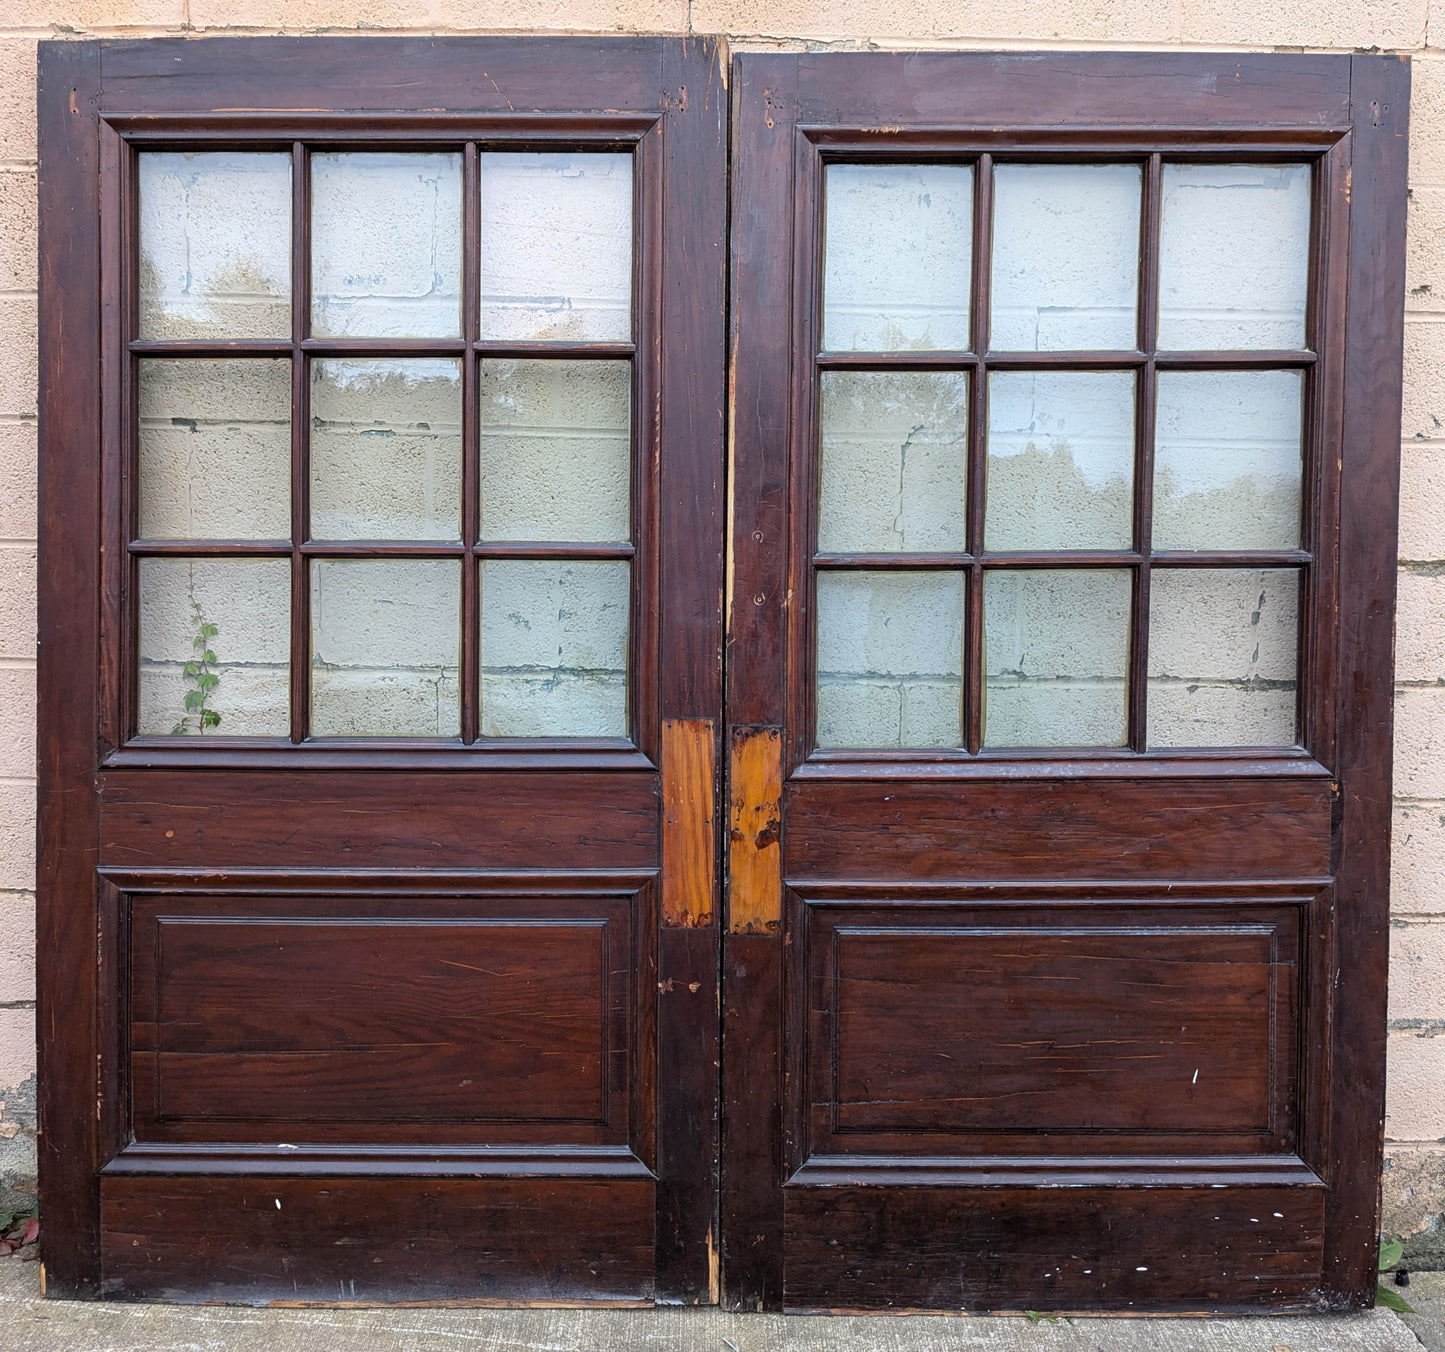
column 1065, row 423
column 382, row 469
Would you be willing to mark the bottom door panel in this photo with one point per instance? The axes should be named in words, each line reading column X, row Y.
column 1148, row 1249
column 275, row 1239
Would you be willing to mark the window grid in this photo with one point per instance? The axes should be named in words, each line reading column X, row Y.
column 1147, row 361
column 470, row 349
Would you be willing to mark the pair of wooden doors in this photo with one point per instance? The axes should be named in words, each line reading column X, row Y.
column 584, row 759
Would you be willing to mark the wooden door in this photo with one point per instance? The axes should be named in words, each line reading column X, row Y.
column 1059, row 657
column 381, row 657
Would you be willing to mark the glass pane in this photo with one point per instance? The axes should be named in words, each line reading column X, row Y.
column 215, row 450
column 386, row 450
column 386, row 245
column 1234, row 255
column 1060, row 460
column 890, row 659
column 556, row 450
column 214, row 647
column 557, row 247
column 1223, row 656
column 554, row 648
column 1056, row 654
column 897, row 257
column 1065, row 256
column 384, row 647
column 894, row 472
column 215, row 245
column 1228, row 460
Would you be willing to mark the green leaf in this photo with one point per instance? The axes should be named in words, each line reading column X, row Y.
column 210, row 718
column 179, row 728
column 209, row 631
column 209, row 657
column 208, row 680
column 192, row 670
column 1393, row 1300
column 193, row 700
column 1390, row 1251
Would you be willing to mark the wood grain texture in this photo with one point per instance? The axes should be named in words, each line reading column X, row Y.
column 1124, row 1250
column 1076, row 828
column 689, row 811
column 289, row 819
column 68, row 1005
column 755, row 785
column 561, row 1014
column 975, row 1029
column 881, row 832
column 280, row 1239
column 1369, row 492
column 282, row 1021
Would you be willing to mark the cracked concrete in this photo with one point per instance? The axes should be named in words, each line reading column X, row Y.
column 33, row 1325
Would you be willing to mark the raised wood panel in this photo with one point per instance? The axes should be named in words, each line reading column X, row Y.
column 1149, row 1250
column 1052, row 1023
column 264, row 1240
column 212, row 819
column 405, row 1019
column 1099, row 829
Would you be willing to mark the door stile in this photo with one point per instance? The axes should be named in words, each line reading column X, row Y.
column 762, row 150
column 68, row 1011
column 693, row 508
column 1374, row 337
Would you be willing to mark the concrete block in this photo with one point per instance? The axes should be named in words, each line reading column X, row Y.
column 215, row 449
column 1423, row 411
column 1420, row 627
column 582, row 16
column 1414, row 1105
column 1425, row 250
column 215, row 245
column 17, row 600
column 1306, row 23
column 1413, row 1196
column 17, row 722
column 17, row 947
column 1417, row 969
column 1422, row 501
column 1420, row 743
column 249, row 602
column 1417, row 859
column 19, row 355
column 17, row 836
column 90, row 15
column 901, row 23
column 17, row 98
column 17, row 1046
column 19, row 443
column 1427, row 119
column 18, row 232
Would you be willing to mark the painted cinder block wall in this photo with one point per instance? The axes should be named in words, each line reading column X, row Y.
column 1415, row 1123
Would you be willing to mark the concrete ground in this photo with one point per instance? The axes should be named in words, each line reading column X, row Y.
column 28, row 1324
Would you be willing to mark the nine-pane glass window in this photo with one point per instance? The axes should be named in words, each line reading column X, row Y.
column 1060, row 464
column 384, row 443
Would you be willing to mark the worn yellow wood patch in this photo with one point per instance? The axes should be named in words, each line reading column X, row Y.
column 755, row 855
column 689, row 850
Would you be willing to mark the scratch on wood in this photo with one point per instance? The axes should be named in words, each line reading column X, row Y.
column 755, row 787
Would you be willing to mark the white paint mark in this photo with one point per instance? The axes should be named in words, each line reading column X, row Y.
column 1195, row 1080
column 1141, row 1269
column 1279, row 1215
column 278, row 1204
